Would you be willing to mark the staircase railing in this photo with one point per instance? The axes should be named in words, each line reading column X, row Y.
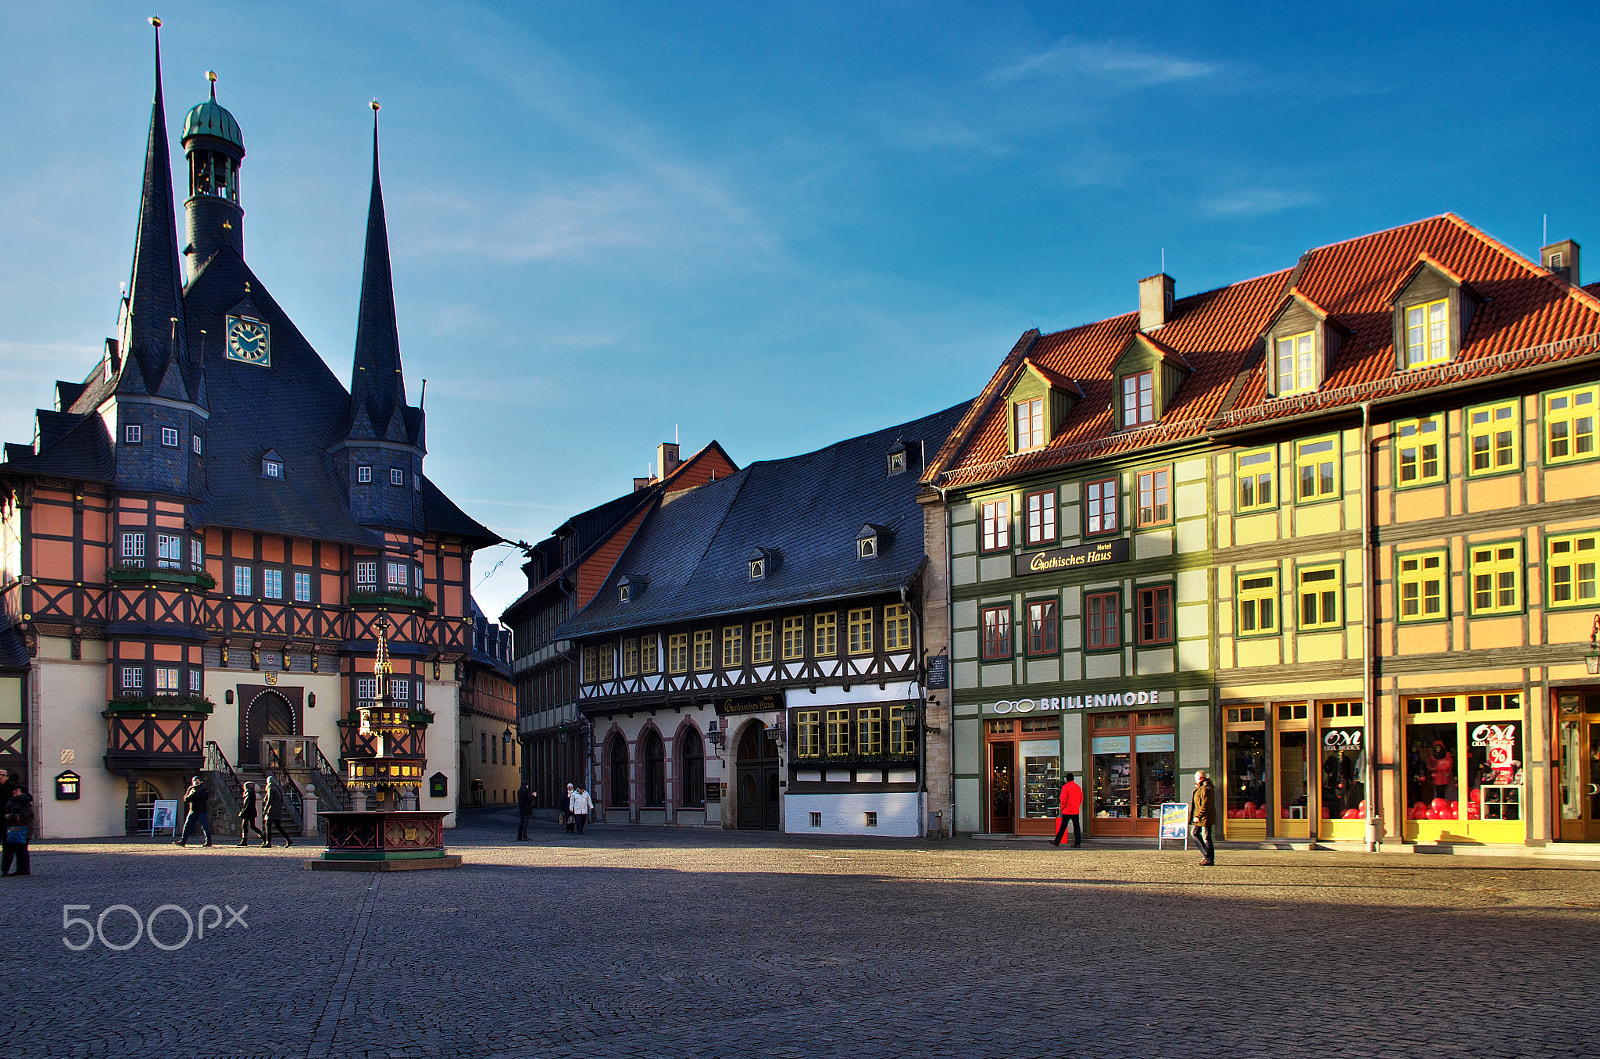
column 293, row 803
column 226, row 792
column 330, row 784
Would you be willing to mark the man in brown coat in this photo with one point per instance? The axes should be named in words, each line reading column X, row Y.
column 1202, row 817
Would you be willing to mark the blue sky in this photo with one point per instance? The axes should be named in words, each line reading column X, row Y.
column 776, row 225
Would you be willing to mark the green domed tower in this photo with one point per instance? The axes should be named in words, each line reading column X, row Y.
column 215, row 149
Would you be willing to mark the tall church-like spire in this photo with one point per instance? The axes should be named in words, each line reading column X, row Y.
column 377, row 386
column 153, row 333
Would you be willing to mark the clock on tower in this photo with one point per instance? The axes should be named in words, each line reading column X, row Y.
column 248, row 341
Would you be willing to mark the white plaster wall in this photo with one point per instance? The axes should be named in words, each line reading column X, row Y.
column 68, row 698
column 443, row 699
column 845, row 814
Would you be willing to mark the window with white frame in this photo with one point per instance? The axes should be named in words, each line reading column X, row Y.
column 1138, row 399
column 169, row 551
column 194, row 443
column 133, row 434
column 272, row 468
column 397, row 477
column 366, row 688
column 272, row 583
column 302, row 588
column 1029, row 422
column 363, row 473
column 367, row 573
column 398, row 576
column 241, row 580
column 1296, row 363
column 166, row 679
column 132, row 678
column 400, row 689
column 1039, row 517
column 196, row 681
column 169, row 437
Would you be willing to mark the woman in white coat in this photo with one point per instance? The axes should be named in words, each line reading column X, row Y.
column 578, row 804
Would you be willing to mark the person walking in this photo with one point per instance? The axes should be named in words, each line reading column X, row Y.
column 272, row 814
column 247, row 815
column 8, row 787
column 18, row 826
column 580, row 803
column 1202, row 817
column 196, row 801
column 524, row 811
column 1071, row 806
column 567, row 816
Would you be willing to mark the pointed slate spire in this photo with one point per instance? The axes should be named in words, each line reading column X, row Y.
column 377, row 387
column 153, row 332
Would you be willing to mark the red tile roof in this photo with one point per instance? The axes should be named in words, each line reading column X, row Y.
column 1527, row 316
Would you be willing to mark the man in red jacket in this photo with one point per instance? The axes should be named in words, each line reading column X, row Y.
column 1071, row 803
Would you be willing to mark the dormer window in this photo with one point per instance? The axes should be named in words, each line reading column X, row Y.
column 1138, row 399
column 871, row 539
column 897, row 463
column 1301, row 342
column 762, row 563
column 1040, row 400
column 758, row 569
column 271, row 464
column 1433, row 309
column 630, row 588
column 1029, row 416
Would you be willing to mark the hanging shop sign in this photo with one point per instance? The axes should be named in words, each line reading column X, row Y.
column 1341, row 739
column 939, row 672
column 1079, row 702
column 1071, row 558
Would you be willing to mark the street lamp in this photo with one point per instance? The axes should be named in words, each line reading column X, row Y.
column 1591, row 660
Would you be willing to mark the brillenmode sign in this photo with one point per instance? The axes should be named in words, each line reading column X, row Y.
column 1071, row 558
column 1077, row 702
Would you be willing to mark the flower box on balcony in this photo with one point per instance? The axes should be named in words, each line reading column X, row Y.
column 390, row 599
column 160, row 575
column 194, row 704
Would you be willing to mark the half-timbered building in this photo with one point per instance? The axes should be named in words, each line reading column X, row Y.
column 1329, row 532
column 754, row 657
column 204, row 530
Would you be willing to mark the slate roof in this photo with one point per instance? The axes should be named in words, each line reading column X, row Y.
column 81, row 452
column 807, row 509
column 1528, row 317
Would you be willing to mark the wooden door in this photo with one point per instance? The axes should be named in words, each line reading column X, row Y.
column 756, row 780
column 1578, row 776
column 1002, row 788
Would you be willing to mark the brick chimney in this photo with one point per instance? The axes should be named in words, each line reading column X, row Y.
column 1155, row 301
column 666, row 458
column 1561, row 259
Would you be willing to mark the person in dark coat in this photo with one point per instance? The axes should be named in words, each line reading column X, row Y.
column 8, row 787
column 195, row 799
column 18, row 826
column 524, row 811
column 272, row 815
column 1071, row 806
column 1203, row 817
column 247, row 815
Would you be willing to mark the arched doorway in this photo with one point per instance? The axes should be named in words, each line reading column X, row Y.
column 268, row 714
column 145, row 796
column 655, row 770
column 617, row 785
column 691, row 768
column 756, row 778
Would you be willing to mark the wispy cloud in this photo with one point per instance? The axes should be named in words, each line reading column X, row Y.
column 1257, row 202
column 1105, row 61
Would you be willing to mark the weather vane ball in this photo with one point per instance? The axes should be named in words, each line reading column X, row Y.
column 374, row 106
column 211, row 75
column 155, row 20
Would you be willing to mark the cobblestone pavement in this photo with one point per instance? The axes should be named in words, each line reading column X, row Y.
column 637, row 942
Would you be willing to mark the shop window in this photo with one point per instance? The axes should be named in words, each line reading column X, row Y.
column 1155, row 497
column 1042, row 627
column 794, row 637
column 1039, row 517
column 838, row 733
column 1320, row 590
column 591, row 665
column 1570, row 570
column 997, row 632
column 1253, row 473
column 1105, row 621
column 1419, row 452
column 678, row 653
column 1100, row 507
column 630, row 657
column 996, row 530
column 1495, row 571
column 859, row 631
column 760, row 642
column 702, row 650
column 1244, row 780
column 649, row 657
column 808, row 734
column 825, row 635
column 869, row 731
column 1569, row 424
column 1494, row 435
column 897, row 627
column 732, row 646
column 1422, row 586
column 1344, row 761
column 1258, row 603
column 1134, row 768
column 1428, row 333
column 1155, row 615
column 1489, row 786
column 1316, row 469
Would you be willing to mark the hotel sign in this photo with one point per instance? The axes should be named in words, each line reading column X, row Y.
column 765, row 702
column 1071, row 558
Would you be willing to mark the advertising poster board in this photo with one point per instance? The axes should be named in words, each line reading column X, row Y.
column 164, row 814
column 1174, row 823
